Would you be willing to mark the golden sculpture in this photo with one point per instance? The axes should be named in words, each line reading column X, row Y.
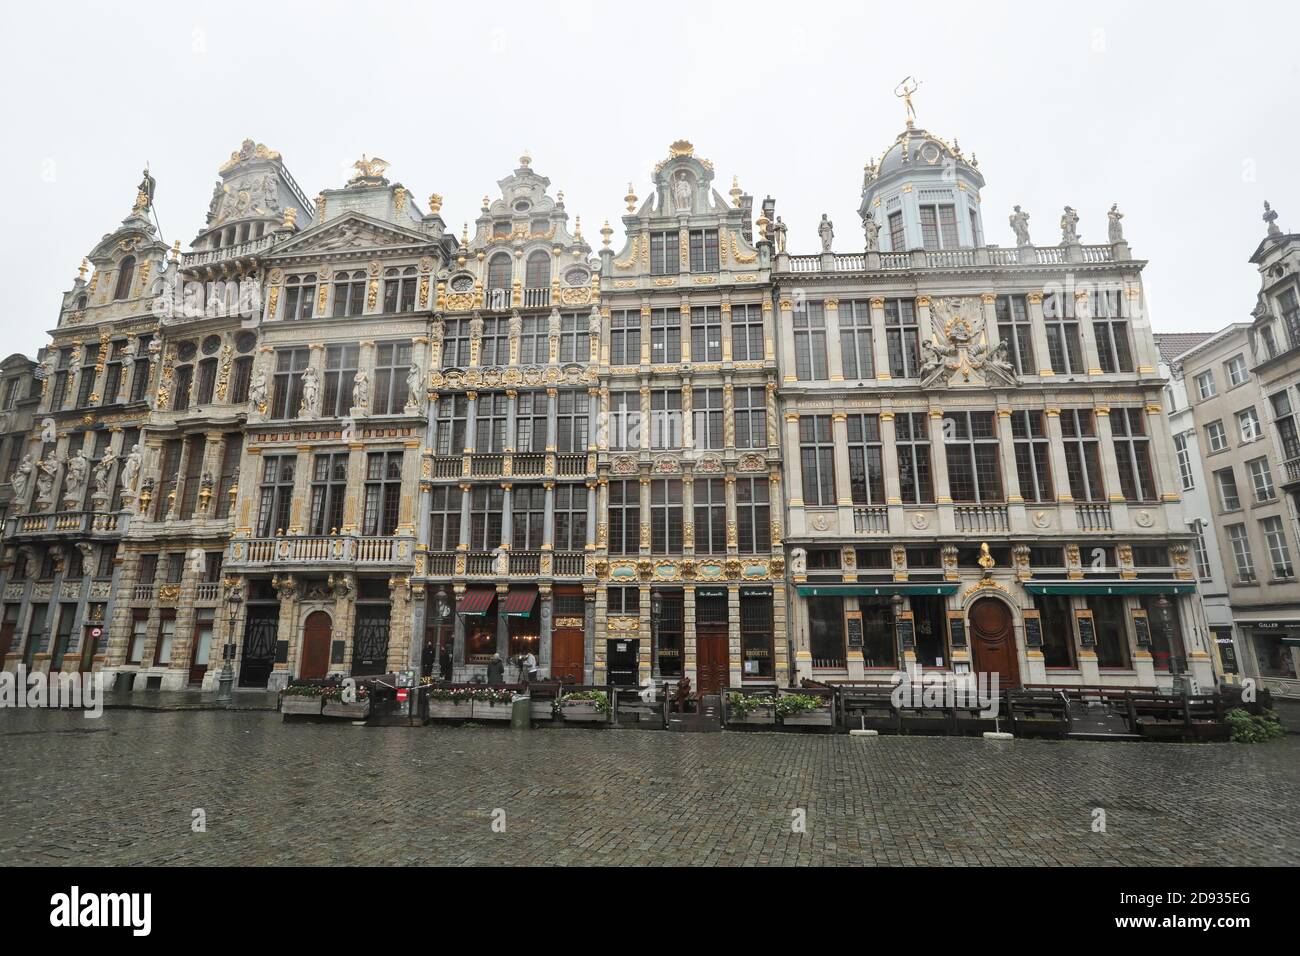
column 904, row 92
column 372, row 168
column 435, row 204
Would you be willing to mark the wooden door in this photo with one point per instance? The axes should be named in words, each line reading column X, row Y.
column 568, row 654
column 316, row 646
column 201, row 645
column 993, row 640
column 712, row 672
column 90, row 641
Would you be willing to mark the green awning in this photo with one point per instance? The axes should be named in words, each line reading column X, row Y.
column 1111, row 587
column 873, row 590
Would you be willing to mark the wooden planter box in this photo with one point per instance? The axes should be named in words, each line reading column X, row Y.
column 542, row 710
column 583, row 711
column 450, row 709
column 759, row 715
column 293, row 704
column 486, row 711
column 357, row 711
column 821, row 717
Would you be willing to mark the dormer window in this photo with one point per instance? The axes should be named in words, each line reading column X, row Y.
column 1290, row 306
column 500, row 270
column 897, row 238
column 80, row 305
column 125, row 274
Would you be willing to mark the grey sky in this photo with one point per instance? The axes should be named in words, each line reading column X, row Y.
column 1187, row 118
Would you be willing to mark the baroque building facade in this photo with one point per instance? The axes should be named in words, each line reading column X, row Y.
column 977, row 452
column 332, row 437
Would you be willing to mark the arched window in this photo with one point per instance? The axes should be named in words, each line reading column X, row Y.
column 125, row 274
column 81, row 304
column 399, row 290
column 499, row 271
column 349, row 293
column 538, row 272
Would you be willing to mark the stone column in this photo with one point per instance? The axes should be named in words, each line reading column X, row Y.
column 834, row 352
column 686, row 332
column 406, row 516
column 512, row 398
column 688, row 512
column 302, row 489
column 645, row 417
column 1060, row 471
column 735, row 671
column 545, row 617
column 843, row 484
column 690, row 661
column 1011, row 489
column 644, row 659
column 879, row 341
column 726, row 331
column 353, row 500
column 795, row 477
column 889, row 464
column 645, row 515
column 594, row 604
column 1087, row 334
column 471, row 415
column 503, row 623
column 924, row 328
column 787, row 339
column 939, row 468
column 465, row 489
column 1038, row 334
column 457, row 634
column 1119, row 518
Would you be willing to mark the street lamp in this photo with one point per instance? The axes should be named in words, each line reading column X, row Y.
column 1166, row 621
column 443, row 611
column 226, row 680
column 656, row 608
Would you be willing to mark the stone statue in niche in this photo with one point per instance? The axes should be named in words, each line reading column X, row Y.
column 46, row 471
column 414, row 387
column 78, row 472
column 131, row 469
column 22, row 476
column 310, row 393
column 682, row 192
column 103, row 476
column 360, row 390
column 826, row 231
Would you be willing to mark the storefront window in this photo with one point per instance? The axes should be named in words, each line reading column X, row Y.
column 671, row 627
column 1111, row 628
column 1275, row 658
column 826, row 631
column 1057, row 620
column 879, row 647
column 481, row 636
column 1227, row 649
column 756, row 633
column 930, row 613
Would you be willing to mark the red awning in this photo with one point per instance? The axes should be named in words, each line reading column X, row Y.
column 476, row 601
column 519, row 602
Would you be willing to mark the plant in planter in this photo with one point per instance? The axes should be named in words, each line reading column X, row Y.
column 803, row 709
column 456, row 703
column 336, row 706
column 301, row 699
column 492, row 704
column 584, row 705
column 1248, row 728
column 751, row 709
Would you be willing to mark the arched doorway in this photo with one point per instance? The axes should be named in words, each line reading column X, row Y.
column 316, row 633
column 993, row 640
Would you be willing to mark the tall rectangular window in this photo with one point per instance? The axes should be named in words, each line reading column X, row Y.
column 571, row 420
column 974, row 457
column 666, row 516
column 624, row 426
column 230, row 456
column 1285, row 422
column 666, row 418
column 1229, row 497
column 897, row 238
column 527, row 517
column 530, row 421
column 389, row 391
column 810, row 343
column 866, row 460
column 486, row 516
column 1241, row 555
column 625, row 337
column 494, row 345
column 570, row 517
column 1205, row 385
column 276, row 494
column 455, row 343
column 1186, row 470
column 491, row 415
column 195, row 445
column 1216, row 437
column 1279, row 554
column 444, row 519
column 329, row 485
column 575, row 338
column 711, row 516
column 1014, row 329
column 747, row 333
column 753, row 515
column 1114, row 351
column 704, row 250
column 706, row 334
column 817, row 459
column 1236, row 369
column 449, row 424
column 1082, row 454
column 534, row 340
column 855, row 339
column 299, row 297
column 340, row 374
column 939, row 227
column 1261, row 480
column 665, row 253
column 1063, row 349
column 901, row 339
column 912, row 437
column 1133, row 454
column 1033, row 455
column 751, row 416
column 1248, row 426
column 707, row 413
column 1200, row 551
column 665, row 337
column 383, row 492
column 168, row 476
column 286, row 383
column 624, row 517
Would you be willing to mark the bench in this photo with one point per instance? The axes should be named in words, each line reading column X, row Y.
column 1036, row 713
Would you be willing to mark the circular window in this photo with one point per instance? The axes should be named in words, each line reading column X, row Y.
column 930, row 153
column 245, row 341
column 185, row 351
column 211, row 344
column 576, row 277
column 462, row 284
column 523, row 205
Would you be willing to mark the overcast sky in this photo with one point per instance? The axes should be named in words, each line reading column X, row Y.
column 1186, row 117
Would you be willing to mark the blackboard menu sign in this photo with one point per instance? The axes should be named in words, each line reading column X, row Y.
column 853, row 627
column 1087, row 635
column 282, row 652
column 957, row 628
column 1142, row 627
column 1033, row 629
column 336, row 651
column 906, row 632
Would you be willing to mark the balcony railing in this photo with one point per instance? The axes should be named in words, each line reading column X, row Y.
column 142, row 592
column 482, row 564
column 67, row 522
column 949, row 258
column 1292, row 468
column 981, row 519
column 571, row 466
column 239, row 250
column 871, row 520
column 308, row 550
column 1092, row 517
column 528, row 464
column 207, row 591
column 487, row 466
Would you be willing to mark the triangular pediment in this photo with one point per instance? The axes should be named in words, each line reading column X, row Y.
column 351, row 232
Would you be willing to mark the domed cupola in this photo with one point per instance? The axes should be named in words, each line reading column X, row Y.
column 924, row 192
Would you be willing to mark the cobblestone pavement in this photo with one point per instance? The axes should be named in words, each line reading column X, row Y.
column 121, row 790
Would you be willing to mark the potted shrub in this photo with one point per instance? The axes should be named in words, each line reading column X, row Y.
column 804, row 710
column 583, row 706
column 751, row 708
column 301, row 699
column 335, row 706
column 492, row 704
column 451, row 703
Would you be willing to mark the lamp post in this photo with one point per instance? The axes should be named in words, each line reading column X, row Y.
column 1166, row 622
column 226, row 681
column 656, row 608
column 443, row 611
